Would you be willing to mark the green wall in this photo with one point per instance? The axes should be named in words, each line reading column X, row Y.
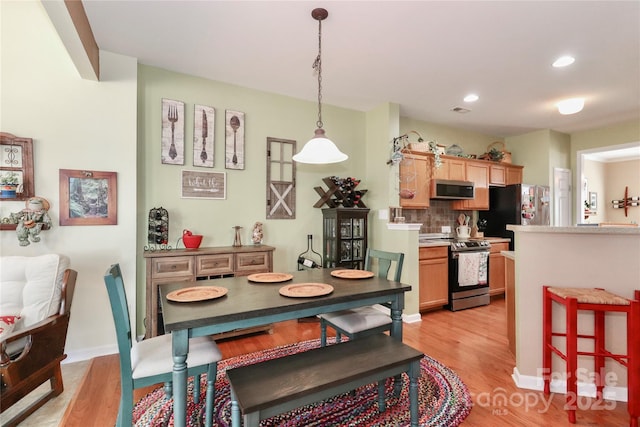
column 266, row 115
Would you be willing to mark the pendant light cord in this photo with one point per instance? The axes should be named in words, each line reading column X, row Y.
column 317, row 65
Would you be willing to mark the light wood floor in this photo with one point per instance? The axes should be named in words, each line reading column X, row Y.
column 471, row 342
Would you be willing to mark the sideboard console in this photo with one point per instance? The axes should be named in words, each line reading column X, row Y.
column 188, row 265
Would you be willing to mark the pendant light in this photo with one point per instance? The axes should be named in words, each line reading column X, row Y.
column 320, row 149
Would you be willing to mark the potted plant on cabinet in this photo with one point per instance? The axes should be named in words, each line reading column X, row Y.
column 9, row 182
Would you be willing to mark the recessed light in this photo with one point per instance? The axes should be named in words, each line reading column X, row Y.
column 570, row 106
column 472, row 97
column 564, row 61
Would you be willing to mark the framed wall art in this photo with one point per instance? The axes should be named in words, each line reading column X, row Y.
column 234, row 140
column 16, row 167
column 172, row 150
column 88, row 198
column 204, row 185
column 203, row 136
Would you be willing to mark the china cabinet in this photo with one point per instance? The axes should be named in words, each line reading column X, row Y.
column 344, row 237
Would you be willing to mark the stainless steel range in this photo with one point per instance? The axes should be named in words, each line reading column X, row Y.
column 468, row 274
column 468, row 271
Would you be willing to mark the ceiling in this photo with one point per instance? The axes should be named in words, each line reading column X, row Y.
column 423, row 55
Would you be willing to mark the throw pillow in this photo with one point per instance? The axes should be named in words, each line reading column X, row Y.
column 7, row 323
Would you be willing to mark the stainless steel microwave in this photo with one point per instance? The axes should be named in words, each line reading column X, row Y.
column 454, row 190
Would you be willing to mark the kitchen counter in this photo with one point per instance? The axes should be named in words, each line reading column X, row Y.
column 509, row 254
column 444, row 242
column 580, row 257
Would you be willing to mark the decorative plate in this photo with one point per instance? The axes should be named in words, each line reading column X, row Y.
column 305, row 290
column 269, row 277
column 197, row 293
column 352, row 274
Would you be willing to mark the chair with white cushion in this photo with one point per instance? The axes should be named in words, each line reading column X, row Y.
column 369, row 320
column 150, row 361
column 35, row 308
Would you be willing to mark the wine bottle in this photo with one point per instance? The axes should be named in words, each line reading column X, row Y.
column 309, row 263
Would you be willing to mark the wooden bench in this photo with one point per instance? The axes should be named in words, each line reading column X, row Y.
column 276, row 386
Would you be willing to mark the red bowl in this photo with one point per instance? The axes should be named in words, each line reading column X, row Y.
column 193, row 241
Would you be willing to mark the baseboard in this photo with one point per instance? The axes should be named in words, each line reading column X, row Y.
column 531, row 382
column 89, row 353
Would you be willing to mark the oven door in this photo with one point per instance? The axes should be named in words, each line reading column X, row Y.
column 468, row 279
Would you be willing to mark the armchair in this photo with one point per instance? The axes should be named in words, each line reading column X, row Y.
column 35, row 295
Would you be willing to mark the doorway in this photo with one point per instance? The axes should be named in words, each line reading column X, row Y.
column 561, row 197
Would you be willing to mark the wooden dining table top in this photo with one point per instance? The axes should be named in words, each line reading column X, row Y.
column 246, row 300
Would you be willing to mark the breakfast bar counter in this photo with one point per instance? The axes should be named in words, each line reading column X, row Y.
column 580, row 257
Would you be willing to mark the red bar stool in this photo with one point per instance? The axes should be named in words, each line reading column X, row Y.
column 599, row 301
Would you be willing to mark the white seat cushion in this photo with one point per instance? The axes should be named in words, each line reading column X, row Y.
column 358, row 319
column 31, row 286
column 153, row 356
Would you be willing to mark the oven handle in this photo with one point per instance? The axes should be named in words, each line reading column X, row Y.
column 454, row 255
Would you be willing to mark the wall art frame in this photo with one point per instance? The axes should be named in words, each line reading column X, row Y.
column 16, row 156
column 203, row 185
column 88, row 197
column 203, row 136
column 234, row 139
column 172, row 143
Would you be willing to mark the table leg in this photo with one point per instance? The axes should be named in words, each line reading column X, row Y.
column 180, row 346
column 396, row 332
column 414, row 375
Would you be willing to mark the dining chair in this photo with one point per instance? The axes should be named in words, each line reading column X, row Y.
column 150, row 361
column 362, row 321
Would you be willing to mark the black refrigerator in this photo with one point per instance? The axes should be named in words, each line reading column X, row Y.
column 519, row 204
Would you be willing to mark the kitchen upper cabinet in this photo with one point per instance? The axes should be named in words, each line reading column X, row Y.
column 514, row 174
column 497, row 175
column 451, row 168
column 433, row 277
column 478, row 173
column 415, row 177
column 496, row 268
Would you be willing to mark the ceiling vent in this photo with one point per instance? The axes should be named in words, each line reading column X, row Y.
column 460, row 110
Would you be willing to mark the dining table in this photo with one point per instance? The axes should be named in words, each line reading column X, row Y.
column 245, row 301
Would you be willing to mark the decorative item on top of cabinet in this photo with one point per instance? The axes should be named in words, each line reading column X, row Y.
column 341, row 192
column 344, row 237
column 237, row 241
column 496, row 152
column 257, row 234
column 158, row 230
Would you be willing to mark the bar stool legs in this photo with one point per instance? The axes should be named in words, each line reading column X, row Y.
column 600, row 302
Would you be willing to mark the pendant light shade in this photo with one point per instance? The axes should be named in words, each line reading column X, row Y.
column 320, row 149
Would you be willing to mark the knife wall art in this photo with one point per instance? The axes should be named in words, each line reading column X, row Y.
column 234, row 140
column 172, row 132
column 203, row 136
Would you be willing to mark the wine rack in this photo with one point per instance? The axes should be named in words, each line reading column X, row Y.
column 158, row 231
column 341, row 192
column 626, row 202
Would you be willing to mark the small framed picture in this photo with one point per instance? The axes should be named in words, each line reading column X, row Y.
column 172, row 148
column 204, row 185
column 234, row 140
column 593, row 201
column 203, row 136
column 88, row 198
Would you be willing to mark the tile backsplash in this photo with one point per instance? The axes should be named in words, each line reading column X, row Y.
column 439, row 214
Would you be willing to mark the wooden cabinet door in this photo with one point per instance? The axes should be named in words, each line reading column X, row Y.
column 496, row 268
column 514, row 175
column 458, row 170
column 497, row 175
column 478, row 173
column 414, row 176
column 433, row 277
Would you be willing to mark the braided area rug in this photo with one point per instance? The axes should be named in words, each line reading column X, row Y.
column 444, row 399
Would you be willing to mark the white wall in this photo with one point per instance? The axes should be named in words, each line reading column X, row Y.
column 75, row 124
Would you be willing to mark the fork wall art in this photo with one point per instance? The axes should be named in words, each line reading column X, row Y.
column 203, row 135
column 172, row 132
column 234, row 140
